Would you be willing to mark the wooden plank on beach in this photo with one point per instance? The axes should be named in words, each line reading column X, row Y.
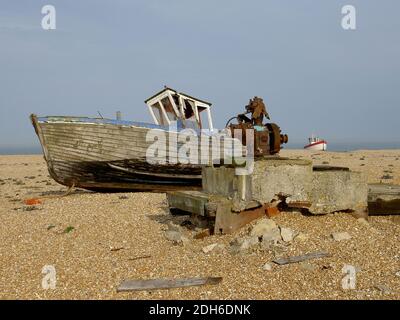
column 295, row 259
column 383, row 199
column 155, row 284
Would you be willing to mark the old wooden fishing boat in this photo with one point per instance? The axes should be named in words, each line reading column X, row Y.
column 108, row 154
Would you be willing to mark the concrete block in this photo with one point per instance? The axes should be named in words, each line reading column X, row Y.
column 270, row 177
column 338, row 189
column 289, row 177
column 224, row 181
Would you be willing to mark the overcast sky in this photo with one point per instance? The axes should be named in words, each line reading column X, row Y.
column 111, row 55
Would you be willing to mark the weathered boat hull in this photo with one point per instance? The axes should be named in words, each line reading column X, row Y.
column 101, row 154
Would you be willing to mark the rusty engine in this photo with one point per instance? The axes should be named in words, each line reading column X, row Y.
column 267, row 136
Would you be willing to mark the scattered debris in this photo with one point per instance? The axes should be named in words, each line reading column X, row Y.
column 172, row 226
column 326, row 267
column 176, row 237
column 267, row 267
column 243, row 244
column 363, row 221
column 271, row 211
column 217, row 247
column 209, row 248
column 68, row 229
column 51, row 226
column 30, row 208
column 287, row 234
column 339, row 236
column 295, row 259
column 263, row 227
column 155, row 284
column 33, row 201
column 139, row 257
column 123, row 197
column 202, row 234
column 116, row 248
column 383, row 288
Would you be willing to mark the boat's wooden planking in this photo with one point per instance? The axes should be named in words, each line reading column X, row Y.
column 86, row 155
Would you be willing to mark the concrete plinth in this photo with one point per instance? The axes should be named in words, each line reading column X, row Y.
column 320, row 189
column 270, row 177
column 291, row 178
column 338, row 189
column 233, row 200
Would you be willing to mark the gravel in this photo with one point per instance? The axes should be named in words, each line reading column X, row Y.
column 86, row 268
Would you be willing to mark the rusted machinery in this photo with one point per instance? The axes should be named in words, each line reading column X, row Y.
column 267, row 136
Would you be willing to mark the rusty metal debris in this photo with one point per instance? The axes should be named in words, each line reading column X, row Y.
column 267, row 136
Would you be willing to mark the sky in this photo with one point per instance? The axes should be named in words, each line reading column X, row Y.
column 314, row 76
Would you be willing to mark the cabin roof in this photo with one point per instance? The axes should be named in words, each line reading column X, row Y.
column 176, row 92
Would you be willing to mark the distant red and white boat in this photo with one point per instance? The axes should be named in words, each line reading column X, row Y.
column 316, row 144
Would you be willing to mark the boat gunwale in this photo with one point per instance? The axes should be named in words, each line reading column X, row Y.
column 123, row 123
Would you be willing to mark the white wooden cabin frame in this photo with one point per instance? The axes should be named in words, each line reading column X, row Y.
column 195, row 104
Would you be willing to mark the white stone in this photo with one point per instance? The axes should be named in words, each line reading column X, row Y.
column 213, row 247
column 363, row 221
column 339, row 236
column 287, row 234
column 272, row 236
column 267, row 267
column 263, row 226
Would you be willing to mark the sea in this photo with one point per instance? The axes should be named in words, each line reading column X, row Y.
column 338, row 147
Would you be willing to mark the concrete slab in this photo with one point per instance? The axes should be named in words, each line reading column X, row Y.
column 289, row 177
column 270, row 177
column 338, row 189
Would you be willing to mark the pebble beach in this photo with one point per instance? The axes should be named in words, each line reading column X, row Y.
column 94, row 241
